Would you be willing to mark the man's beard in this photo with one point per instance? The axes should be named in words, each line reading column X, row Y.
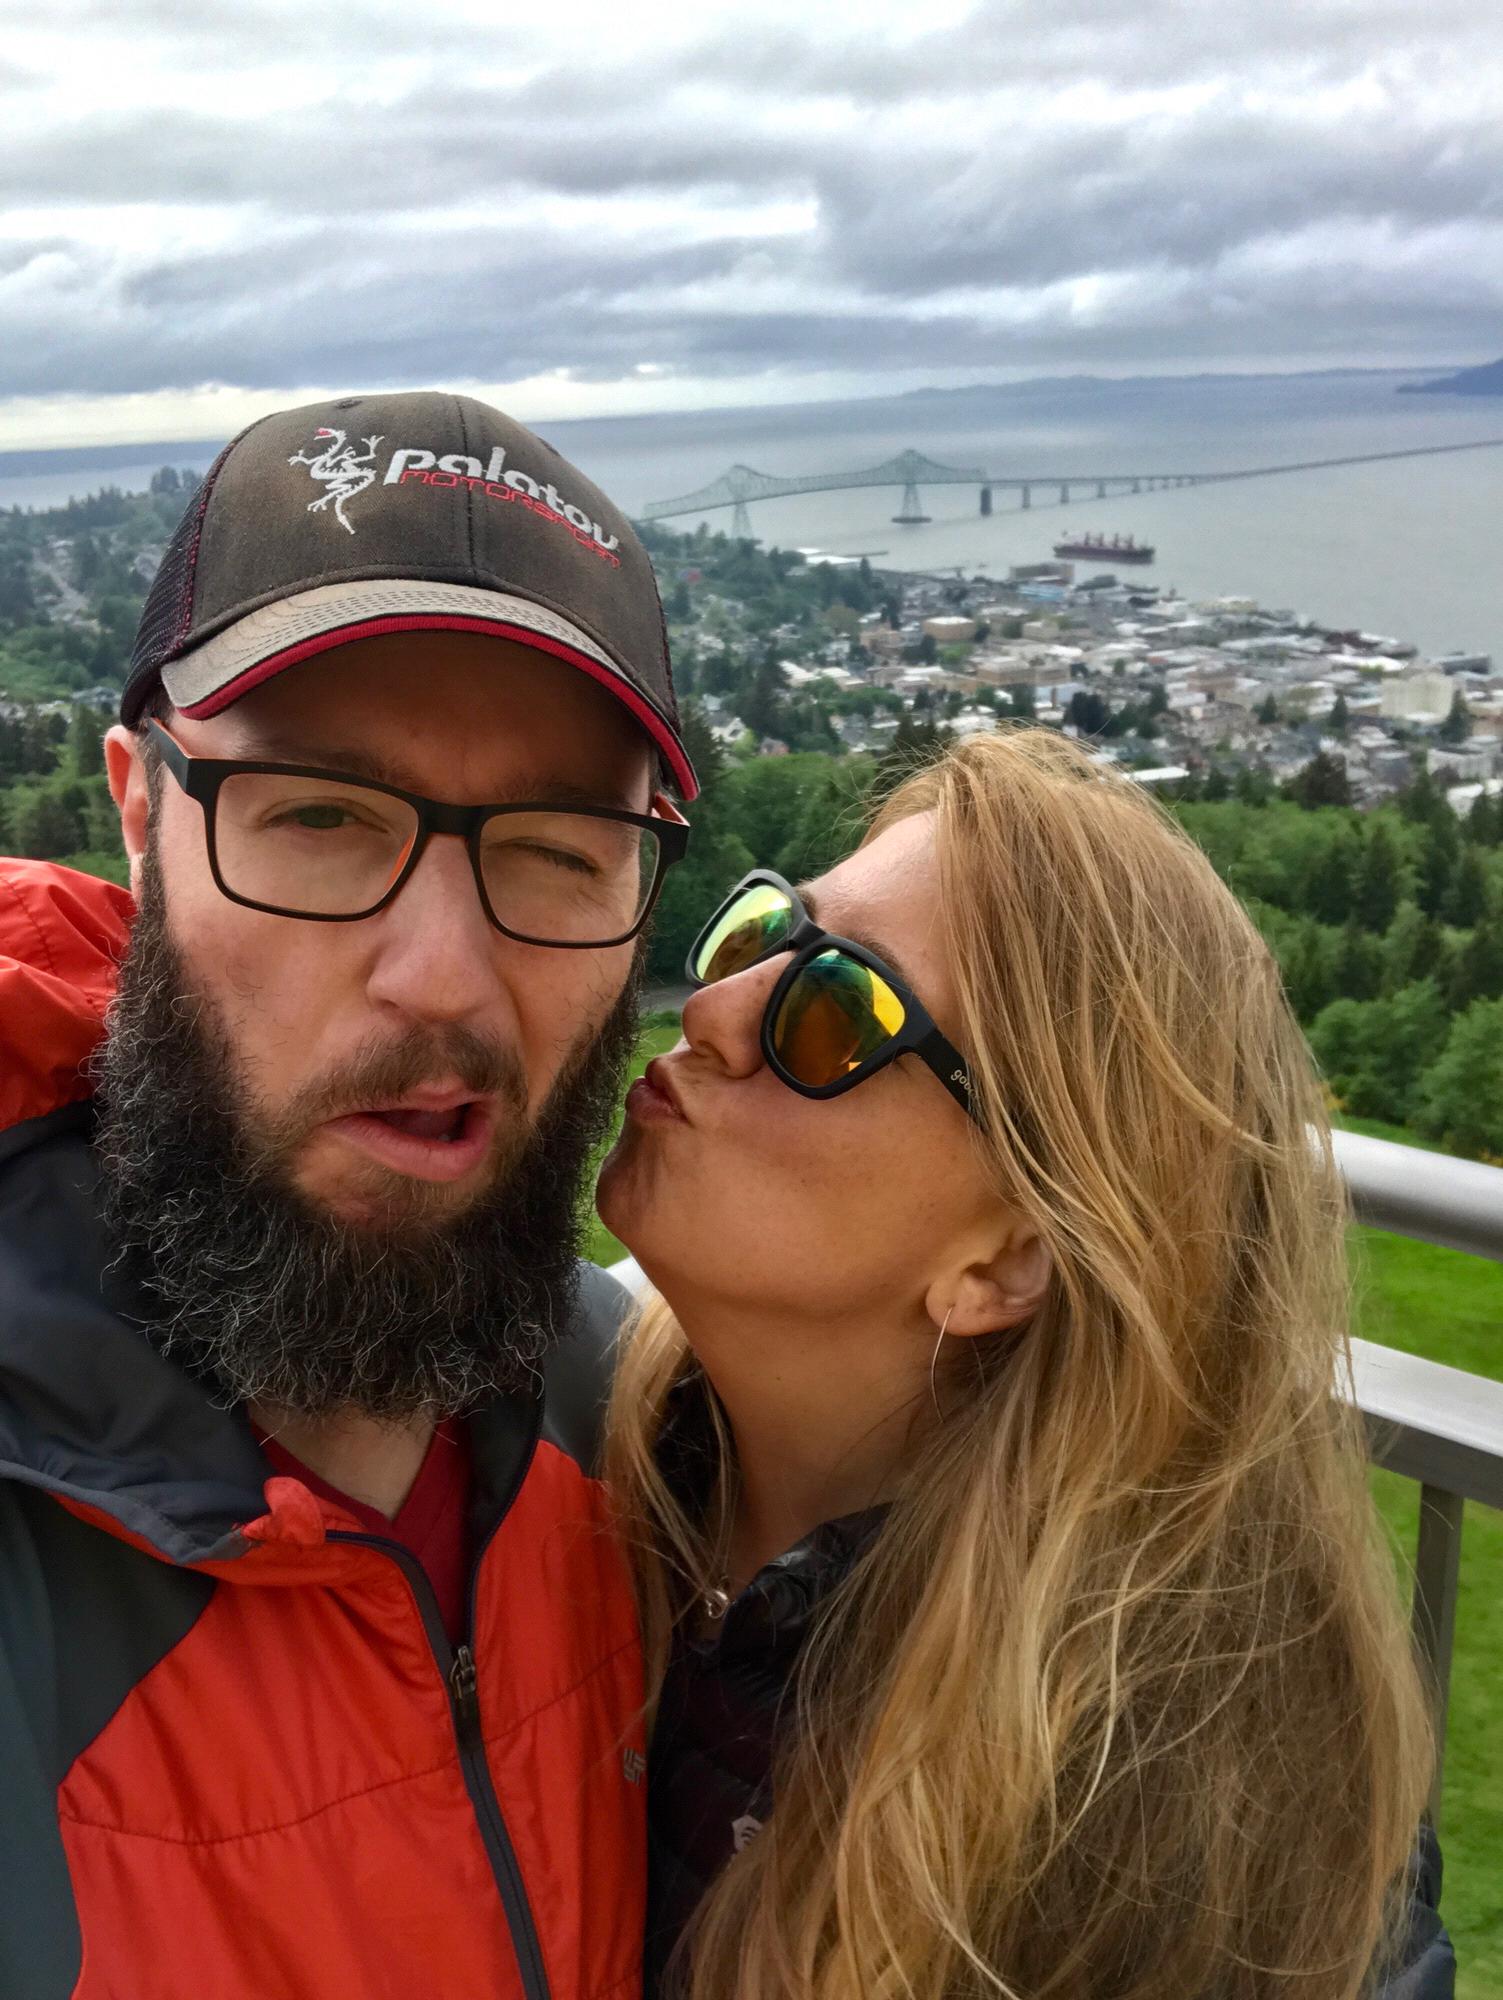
column 274, row 1301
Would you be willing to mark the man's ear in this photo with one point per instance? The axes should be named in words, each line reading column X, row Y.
column 125, row 765
column 1001, row 1287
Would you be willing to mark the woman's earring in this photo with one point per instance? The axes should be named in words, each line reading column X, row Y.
column 933, row 1364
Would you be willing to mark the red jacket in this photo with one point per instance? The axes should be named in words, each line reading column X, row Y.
column 242, row 1760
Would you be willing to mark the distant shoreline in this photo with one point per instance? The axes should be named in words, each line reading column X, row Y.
column 100, row 457
column 29, row 461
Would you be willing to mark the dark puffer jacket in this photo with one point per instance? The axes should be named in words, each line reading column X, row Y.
column 726, row 1699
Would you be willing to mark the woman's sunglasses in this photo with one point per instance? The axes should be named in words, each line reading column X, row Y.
column 837, row 1014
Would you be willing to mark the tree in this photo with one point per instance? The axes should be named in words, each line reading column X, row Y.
column 1357, row 969
column 1087, row 712
column 40, row 737
column 1218, row 786
column 1377, row 1055
column 1458, row 724
column 1422, row 801
column 1375, row 894
column 1322, row 782
column 1476, row 973
column 1459, row 1099
column 1466, row 896
column 1339, row 720
column 762, row 800
column 1253, row 786
column 86, row 739
column 1411, row 946
column 47, row 829
column 1330, row 883
column 913, row 744
column 1267, row 710
column 1483, row 825
column 762, row 704
column 1020, row 700
column 705, row 753
column 1336, row 1039
column 1307, row 970
column 1438, row 855
column 715, row 860
column 88, row 560
column 719, row 672
column 830, row 820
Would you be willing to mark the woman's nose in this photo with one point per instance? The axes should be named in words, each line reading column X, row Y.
column 723, row 1022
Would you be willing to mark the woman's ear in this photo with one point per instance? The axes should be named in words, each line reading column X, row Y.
column 996, row 1290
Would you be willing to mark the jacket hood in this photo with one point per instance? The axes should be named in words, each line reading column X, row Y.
column 62, row 937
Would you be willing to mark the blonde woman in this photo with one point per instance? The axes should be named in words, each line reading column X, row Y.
column 1007, row 1572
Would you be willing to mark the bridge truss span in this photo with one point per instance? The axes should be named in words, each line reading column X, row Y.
column 908, row 470
column 744, row 483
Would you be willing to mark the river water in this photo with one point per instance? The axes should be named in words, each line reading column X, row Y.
column 1408, row 548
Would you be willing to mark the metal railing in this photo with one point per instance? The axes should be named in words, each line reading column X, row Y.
column 1439, row 1426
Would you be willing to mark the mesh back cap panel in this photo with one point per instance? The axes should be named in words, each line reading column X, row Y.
column 168, row 610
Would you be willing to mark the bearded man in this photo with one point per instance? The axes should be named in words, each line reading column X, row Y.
column 318, row 1669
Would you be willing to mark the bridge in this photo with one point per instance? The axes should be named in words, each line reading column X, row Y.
column 742, row 484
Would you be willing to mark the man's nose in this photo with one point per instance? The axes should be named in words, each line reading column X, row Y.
column 723, row 1022
column 435, row 950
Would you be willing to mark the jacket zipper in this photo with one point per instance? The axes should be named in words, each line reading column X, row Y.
column 461, row 1683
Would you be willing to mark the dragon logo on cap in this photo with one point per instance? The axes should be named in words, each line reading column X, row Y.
column 341, row 468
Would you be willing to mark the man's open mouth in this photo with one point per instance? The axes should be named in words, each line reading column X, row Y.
column 446, row 1125
column 441, row 1142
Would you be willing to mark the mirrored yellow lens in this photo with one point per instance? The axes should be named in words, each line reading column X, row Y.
column 837, row 1014
column 757, row 921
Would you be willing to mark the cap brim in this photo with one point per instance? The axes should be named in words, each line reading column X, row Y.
column 279, row 635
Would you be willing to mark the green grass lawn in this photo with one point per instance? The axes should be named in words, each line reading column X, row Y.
column 659, row 1033
column 1448, row 1307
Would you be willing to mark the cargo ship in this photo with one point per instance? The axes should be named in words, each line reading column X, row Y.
column 1100, row 548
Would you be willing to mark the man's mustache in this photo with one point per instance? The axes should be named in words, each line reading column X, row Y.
column 380, row 1070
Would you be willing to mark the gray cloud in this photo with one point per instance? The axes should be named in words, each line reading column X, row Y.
column 1092, row 187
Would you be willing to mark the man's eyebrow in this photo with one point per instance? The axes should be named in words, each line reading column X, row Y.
column 875, row 946
column 355, row 763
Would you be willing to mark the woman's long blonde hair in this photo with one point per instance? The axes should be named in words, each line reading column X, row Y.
column 1120, row 1702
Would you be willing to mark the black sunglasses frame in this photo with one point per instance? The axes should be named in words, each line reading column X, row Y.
column 807, row 940
column 201, row 778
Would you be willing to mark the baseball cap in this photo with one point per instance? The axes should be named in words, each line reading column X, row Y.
column 415, row 512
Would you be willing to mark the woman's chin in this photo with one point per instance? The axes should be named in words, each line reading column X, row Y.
column 613, row 1195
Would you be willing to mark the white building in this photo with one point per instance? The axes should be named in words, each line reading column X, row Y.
column 1418, row 697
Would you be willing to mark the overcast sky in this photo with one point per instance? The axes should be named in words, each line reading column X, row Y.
column 215, row 207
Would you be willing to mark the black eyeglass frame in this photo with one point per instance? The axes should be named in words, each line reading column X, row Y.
column 806, row 940
column 201, row 778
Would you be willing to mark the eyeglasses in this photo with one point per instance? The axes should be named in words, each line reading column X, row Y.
column 333, row 849
column 837, row 1014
